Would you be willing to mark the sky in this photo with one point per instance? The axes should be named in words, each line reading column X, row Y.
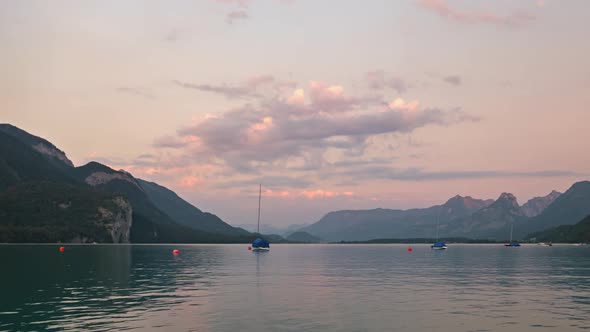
column 330, row 105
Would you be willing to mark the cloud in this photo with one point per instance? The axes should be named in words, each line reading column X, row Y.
column 190, row 182
column 235, row 15
column 288, row 127
column 137, row 92
column 248, row 88
column 241, row 8
column 379, row 80
column 453, row 79
column 229, row 92
column 332, row 97
column 239, row 3
column 417, row 174
column 275, row 182
column 319, row 193
column 174, row 142
column 440, row 7
column 172, row 35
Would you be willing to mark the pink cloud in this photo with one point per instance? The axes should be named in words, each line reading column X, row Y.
column 190, row 181
column 319, row 193
column 516, row 17
column 379, row 79
column 245, row 89
column 286, row 126
column 232, row 16
column 279, row 193
column 332, row 98
column 241, row 12
column 240, row 3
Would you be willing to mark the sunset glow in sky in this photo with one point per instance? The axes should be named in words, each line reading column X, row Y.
column 329, row 104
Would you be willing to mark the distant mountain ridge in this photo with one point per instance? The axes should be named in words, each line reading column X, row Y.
column 489, row 222
column 459, row 217
column 578, row 233
column 272, row 229
column 535, row 206
column 303, row 237
column 567, row 209
column 362, row 225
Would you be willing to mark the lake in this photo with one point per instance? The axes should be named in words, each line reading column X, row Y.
column 294, row 288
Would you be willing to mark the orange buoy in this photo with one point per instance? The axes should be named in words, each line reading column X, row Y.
column 410, row 249
column 175, row 252
column 249, row 248
column 62, row 249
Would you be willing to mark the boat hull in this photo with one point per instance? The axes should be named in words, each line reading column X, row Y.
column 260, row 249
column 438, row 248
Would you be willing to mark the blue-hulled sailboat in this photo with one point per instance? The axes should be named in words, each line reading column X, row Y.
column 260, row 244
column 512, row 243
column 438, row 245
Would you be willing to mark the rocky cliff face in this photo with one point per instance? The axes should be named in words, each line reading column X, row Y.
column 506, row 203
column 460, row 206
column 98, row 178
column 118, row 221
column 40, row 144
column 52, row 151
column 537, row 205
column 489, row 222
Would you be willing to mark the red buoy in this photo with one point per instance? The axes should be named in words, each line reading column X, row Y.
column 175, row 252
column 409, row 249
column 62, row 249
column 249, row 248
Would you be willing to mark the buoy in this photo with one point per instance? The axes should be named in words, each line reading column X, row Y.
column 249, row 248
column 409, row 249
column 175, row 252
column 62, row 249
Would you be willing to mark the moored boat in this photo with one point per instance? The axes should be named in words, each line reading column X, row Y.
column 512, row 243
column 439, row 246
column 260, row 244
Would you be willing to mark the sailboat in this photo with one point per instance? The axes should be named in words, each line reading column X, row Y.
column 512, row 243
column 260, row 244
column 438, row 245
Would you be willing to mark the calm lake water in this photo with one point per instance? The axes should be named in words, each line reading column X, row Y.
column 294, row 288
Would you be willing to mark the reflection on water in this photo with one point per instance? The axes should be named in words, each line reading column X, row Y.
column 294, row 288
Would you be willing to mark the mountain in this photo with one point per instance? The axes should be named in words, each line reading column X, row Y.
column 567, row 209
column 577, row 233
column 61, row 212
column 459, row 217
column 493, row 221
column 535, row 206
column 184, row 213
column 266, row 228
column 21, row 162
column 150, row 224
column 45, row 199
column 40, row 200
column 39, row 144
column 459, row 206
column 303, row 237
column 362, row 225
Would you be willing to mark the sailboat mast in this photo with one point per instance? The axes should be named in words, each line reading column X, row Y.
column 511, row 227
column 259, row 199
column 437, row 221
